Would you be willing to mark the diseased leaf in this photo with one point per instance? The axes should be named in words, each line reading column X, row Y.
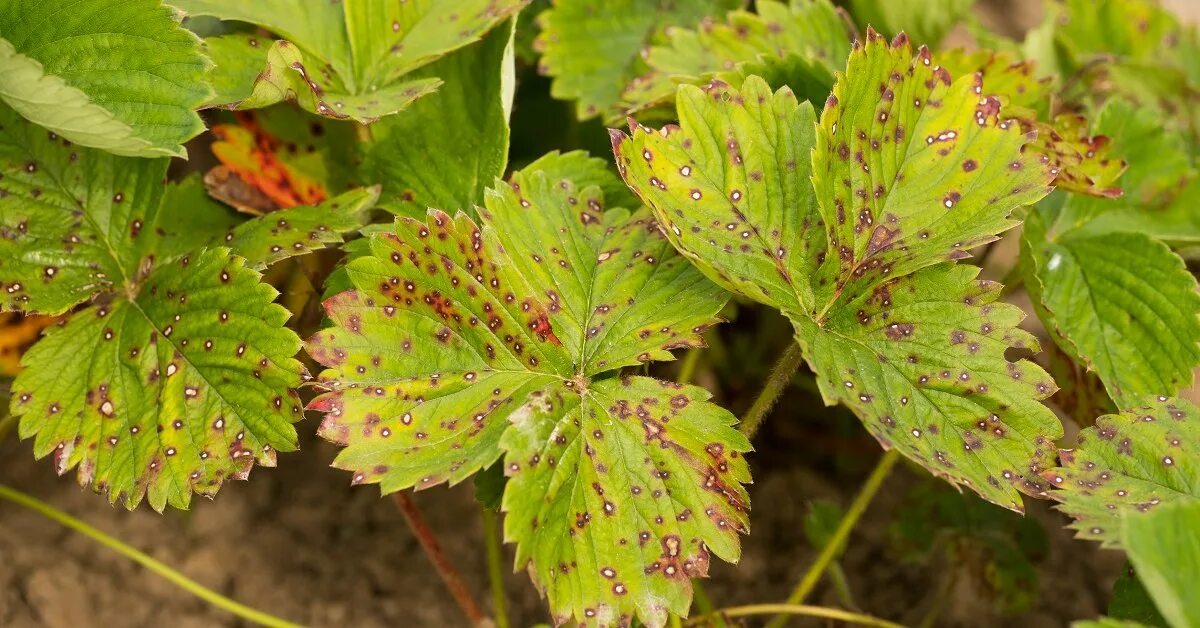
column 454, row 143
column 464, row 344
column 121, row 77
column 178, row 373
column 799, row 45
column 1122, row 303
column 585, row 171
column 909, row 171
column 1127, row 465
column 290, row 232
column 266, row 176
column 925, row 21
column 1164, row 548
column 1086, row 29
column 1078, row 158
column 168, row 393
column 591, row 47
column 344, row 60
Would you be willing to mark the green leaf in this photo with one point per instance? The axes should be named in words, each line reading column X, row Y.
column 463, row 344
column 1086, row 29
column 925, row 21
column 124, row 78
column 1131, row 601
column 1107, row 622
column 346, row 60
column 1122, row 303
column 1127, row 465
column 170, row 392
column 591, row 47
column 178, row 374
column 1164, row 548
column 586, row 171
column 909, row 170
column 453, row 143
column 801, row 44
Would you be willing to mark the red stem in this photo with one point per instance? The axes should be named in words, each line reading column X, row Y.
column 416, row 522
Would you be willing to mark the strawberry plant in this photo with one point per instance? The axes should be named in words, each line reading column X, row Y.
column 228, row 229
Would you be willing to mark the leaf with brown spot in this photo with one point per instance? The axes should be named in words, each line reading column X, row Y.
column 858, row 258
column 463, row 344
column 169, row 393
column 1129, row 464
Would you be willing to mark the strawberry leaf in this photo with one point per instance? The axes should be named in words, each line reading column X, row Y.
column 1121, row 302
column 802, row 43
column 463, row 344
column 460, row 133
column 346, row 60
column 591, row 47
column 124, row 78
column 909, row 170
column 178, row 374
column 180, row 387
column 1129, row 464
column 264, row 240
column 1163, row 547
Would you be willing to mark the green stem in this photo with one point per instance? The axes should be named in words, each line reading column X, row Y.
column 841, row 585
column 687, row 368
column 6, row 425
column 838, row 540
column 797, row 609
column 176, row 578
column 704, row 604
column 495, row 563
column 781, row 374
column 674, row 621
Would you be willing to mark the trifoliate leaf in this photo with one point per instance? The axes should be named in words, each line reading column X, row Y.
column 121, row 77
column 463, row 344
column 591, row 47
column 1129, row 464
column 808, row 38
column 346, row 60
column 454, row 143
column 1122, row 303
column 925, row 21
column 174, row 390
column 1164, row 548
column 179, row 373
column 909, row 170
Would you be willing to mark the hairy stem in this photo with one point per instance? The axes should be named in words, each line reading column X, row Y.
column 781, row 374
column 416, row 523
column 156, row 567
column 495, row 562
column 796, row 609
column 856, row 510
